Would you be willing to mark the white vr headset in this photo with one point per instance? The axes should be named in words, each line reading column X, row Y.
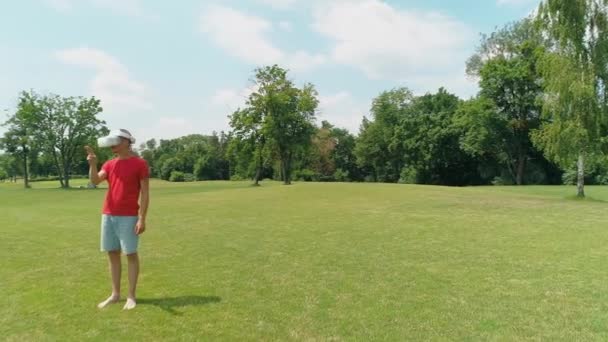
column 114, row 138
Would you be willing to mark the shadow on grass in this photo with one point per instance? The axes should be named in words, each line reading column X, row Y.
column 169, row 304
column 585, row 199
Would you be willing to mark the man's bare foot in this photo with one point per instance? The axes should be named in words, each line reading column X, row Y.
column 111, row 300
column 130, row 304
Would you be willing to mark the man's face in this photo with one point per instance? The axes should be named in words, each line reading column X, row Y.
column 123, row 146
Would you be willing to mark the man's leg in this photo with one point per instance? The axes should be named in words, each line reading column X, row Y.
column 133, row 260
column 111, row 244
column 128, row 243
column 115, row 271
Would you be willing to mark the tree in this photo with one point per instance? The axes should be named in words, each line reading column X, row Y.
column 65, row 125
column 575, row 75
column 323, row 147
column 429, row 141
column 148, row 152
column 379, row 148
column 19, row 139
column 515, row 88
column 287, row 114
column 505, row 43
column 249, row 140
column 9, row 167
column 343, row 156
column 506, row 62
column 198, row 157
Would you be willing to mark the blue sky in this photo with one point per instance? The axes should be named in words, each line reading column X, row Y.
column 168, row 68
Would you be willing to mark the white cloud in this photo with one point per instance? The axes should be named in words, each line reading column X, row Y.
column 231, row 99
column 342, row 110
column 241, row 34
column 304, row 61
column 515, row 2
column 128, row 7
column 455, row 82
column 112, row 82
column 247, row 38
column 125, row 7
column 387, row 43
column 278, row 4
column 61, row 5
column 165, row 127
column 285, row 25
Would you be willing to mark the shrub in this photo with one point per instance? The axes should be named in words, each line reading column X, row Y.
column 189, row 177
column 176, row 176
column 409, row 175
column 341, row 176
column 305, row 175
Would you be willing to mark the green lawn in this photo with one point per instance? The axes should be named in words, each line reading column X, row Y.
column 226, row 261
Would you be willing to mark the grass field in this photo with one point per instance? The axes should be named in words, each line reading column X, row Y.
column 226, row 261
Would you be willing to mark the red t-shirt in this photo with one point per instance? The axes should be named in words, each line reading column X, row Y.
column 124, row 176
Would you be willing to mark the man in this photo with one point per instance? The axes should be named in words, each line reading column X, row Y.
column 123, row 219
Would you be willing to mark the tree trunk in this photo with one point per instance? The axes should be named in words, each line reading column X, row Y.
column 580, row 183
column 59, row 169
column 26, row 181
column 65, row 172
column 285, row 171
column 66, row 175
column 521, row 168
column 258, row 173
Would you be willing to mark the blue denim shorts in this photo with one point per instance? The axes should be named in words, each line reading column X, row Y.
column 118, row 233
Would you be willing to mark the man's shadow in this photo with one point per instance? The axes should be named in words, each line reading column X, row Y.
column 169, row 304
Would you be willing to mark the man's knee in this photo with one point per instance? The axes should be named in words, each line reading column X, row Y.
column 132, row 256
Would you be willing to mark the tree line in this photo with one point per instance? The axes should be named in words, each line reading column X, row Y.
column 539, row 118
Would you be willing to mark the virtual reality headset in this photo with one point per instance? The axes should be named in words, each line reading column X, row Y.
column 114, row 138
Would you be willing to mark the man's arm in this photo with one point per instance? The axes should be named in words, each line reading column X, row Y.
column 95, row 176
column 144, row 202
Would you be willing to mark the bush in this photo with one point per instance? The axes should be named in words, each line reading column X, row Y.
column 327, row 179
column 570, row 177
column 55, row 178
column 237, row 177
column 341, row 176
column 3, row 175
column 189, row 177
column 409, row 175
column 305, row 175
column 502, row 180
column 168, row 167
column 369, row 179
column 176, row 176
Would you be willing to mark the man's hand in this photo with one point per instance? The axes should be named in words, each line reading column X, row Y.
column 91, row 157
column 140, row 227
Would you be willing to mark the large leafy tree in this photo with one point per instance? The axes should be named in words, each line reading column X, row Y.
column 286, row 115
column 249, row 146
column 199, row 157
column 430, row 143
column 19, row 139
column 379, row 148
column 63, row 125
column 324, row 145
column 8, row 167
column 506, row 63
column 343, row 155
column 575, row 75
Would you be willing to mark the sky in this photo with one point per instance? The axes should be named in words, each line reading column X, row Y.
column 163, row 69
